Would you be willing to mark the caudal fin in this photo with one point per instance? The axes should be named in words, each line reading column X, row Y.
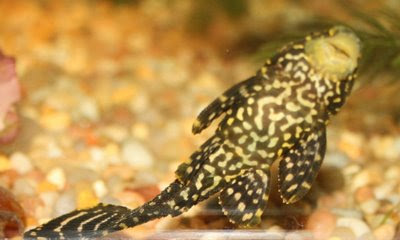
column 104, row 219
column 85, row 223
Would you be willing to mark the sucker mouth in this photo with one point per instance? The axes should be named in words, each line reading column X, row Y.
column 339, row 50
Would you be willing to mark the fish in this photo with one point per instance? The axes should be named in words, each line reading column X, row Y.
column 279, row 114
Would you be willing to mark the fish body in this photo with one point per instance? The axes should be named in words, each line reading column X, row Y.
column 279, row 114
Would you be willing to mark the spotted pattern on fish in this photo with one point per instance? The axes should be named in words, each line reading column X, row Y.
column 280, row 114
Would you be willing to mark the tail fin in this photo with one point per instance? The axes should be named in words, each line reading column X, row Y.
column 104, row 219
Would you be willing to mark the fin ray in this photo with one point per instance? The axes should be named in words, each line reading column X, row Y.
column 244, row 198
column 299, row 167
column 82, row 223
column 233, row 96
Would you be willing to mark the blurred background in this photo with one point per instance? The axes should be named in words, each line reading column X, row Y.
column 103, row 93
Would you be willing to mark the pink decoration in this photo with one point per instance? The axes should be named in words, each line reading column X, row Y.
column 9, row 94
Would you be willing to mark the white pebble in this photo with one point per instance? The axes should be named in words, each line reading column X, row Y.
column 336, row 159
column 24, row 186
column 65, row 203
column 370, row 206
column 385, row 147
column 89, row 109
column 57, row 177
column 21, row 163
column 97, row 154
column 100, row 188
column 53, row 150
column 49, row 199
column 392, row 173
column 358, row 227
column 383, row 191
column 365, row 177
column 115, row 133
column 136, row 155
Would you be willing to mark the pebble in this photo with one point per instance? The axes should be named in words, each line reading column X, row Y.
column 97, row 154
column 383, row 191
column 140, row 131
column 331, row 179
column 385, row 147
column 4, row 163
column 115, row 184
column 357, row 226
column 140, row 104
column 147, row 192
column 12, row 215
column 88, row 109
column 65, row 203
column 99, row 160
column 115, row 132
column 363, row 194
column 385, row 232
column 347, row 212
column 370, row 206
column 85, row 197
column 145, row 178
column 55, row 120
column 49, row 199
column 130, row 198
column 100, row 188
column 367, row 236
column 321, row 223
column 165, row 224
column 46, row 186
column 112, row 153
column 336, row 159
column 376, row 220
column 57, row 177
column 393, row 173
column 136, row 155
column 24, row 187
column 393, row 198
column 342, row 233
column 351, row 169
column 123, row 94
column 21, row 162
column 365, row 177
column 336, row 200
column 352, row 144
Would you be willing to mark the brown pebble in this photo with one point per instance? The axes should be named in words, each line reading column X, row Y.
column 363, row 194
column 321, row 223
column 12, row 216
column 130, row 199
column 336, row 200
column 147, row 192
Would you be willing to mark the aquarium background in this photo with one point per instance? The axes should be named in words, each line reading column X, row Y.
column 105, row 94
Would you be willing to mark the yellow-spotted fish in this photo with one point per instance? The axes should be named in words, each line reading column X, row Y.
column 280, row 114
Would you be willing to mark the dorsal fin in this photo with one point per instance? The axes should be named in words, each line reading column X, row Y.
column 233, row 96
